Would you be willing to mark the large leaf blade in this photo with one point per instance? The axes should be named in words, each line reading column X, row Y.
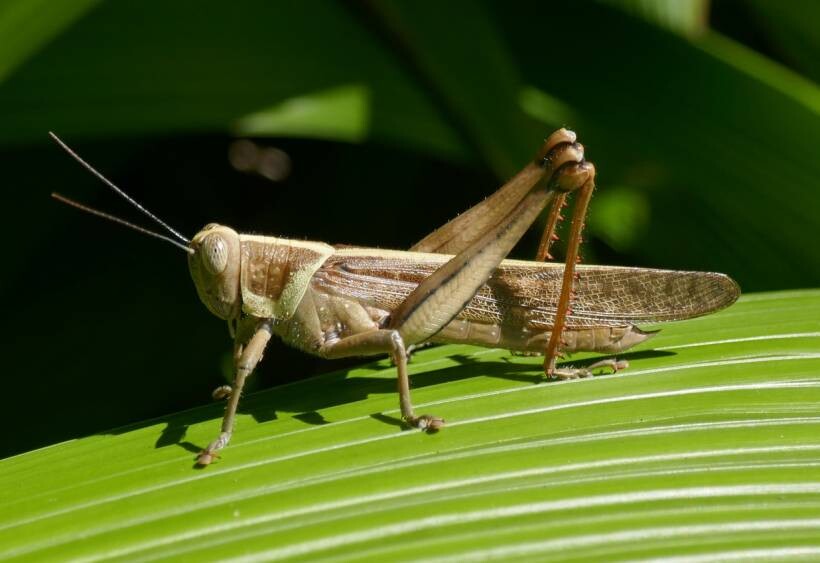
column 709, row 437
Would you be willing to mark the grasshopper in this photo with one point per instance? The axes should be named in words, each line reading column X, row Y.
column 455, row 285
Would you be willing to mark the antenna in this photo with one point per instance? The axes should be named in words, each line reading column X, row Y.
column 127, row 198
column 116, row 219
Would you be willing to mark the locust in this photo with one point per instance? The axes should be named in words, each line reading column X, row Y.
column 454, row 286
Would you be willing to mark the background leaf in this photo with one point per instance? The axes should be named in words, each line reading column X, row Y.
column 705, row 447
column 789, row 31
column 28, row 25
column 338, row 114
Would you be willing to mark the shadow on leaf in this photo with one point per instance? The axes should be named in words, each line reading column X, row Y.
column 308, row 397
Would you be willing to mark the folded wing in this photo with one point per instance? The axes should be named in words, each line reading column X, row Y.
column 526, row 293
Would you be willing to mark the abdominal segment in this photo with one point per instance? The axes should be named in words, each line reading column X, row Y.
column 608, row 339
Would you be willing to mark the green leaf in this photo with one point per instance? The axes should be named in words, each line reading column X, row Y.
column 720, row 138
column 340, row 114
column 687, row 17
column 621, row 215
column 232, row 60
column 28, row 25
column 471, row 72
column 707, row 446
column 792, row 27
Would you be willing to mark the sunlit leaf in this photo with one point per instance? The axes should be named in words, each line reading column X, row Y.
column 687, row 17
column 339, row 114
column 707, row 446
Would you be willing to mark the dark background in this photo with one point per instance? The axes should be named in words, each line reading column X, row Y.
column 702, row 119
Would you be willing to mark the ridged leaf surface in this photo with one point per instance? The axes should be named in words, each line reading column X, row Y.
column 708, row 446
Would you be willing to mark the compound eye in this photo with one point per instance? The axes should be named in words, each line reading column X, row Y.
column 214, row 253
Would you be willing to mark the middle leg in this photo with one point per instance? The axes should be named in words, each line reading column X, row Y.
column 379, row 341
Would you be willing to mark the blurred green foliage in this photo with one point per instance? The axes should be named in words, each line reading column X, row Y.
column 702, row 119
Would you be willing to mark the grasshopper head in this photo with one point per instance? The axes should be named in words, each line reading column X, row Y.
column 214, row 266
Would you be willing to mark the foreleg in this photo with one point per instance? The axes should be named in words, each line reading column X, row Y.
column 246, row 358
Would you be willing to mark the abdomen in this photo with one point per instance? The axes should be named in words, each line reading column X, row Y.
column 517, row 337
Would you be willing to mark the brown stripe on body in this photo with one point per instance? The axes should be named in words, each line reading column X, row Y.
column 276, row 273
column 265, row 268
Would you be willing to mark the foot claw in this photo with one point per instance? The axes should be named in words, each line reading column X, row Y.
column 205, row 457
column 614, row 364
column 426, row 422
column 570, row 373
column 222, row 392
column 577, row 373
